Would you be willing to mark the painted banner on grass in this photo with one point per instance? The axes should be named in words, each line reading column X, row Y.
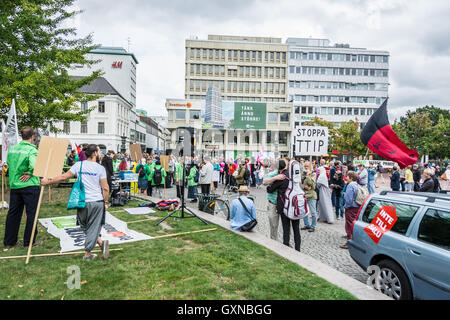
column 72, row 238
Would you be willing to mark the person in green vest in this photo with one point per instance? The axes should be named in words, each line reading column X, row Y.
column 179, row 178
column 157, row 176
column 25, row 188
column 192, row 184
column 151, row 166
column 143, row 171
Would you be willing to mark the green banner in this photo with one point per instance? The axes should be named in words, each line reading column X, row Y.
column 250, row 115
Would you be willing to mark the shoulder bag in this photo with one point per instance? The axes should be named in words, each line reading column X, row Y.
column 251, row 224
column 77, row 197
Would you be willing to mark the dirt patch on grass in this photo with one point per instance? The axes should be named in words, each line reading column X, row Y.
column 189, row 245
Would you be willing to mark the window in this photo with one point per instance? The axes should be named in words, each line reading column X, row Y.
column 84, row 106
column 282, row 137
column 284, row 117
column 101, row 127
column 101, row 106
column 356, row 111
column 180, row 114
column 269, row 137
column 194, row 114
column 405, row 213
column 434, row 228
column 84, row 127
column 66, row 128
column 272, row 116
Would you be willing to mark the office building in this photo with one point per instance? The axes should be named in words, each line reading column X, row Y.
column 243, row 68
column 213, row 107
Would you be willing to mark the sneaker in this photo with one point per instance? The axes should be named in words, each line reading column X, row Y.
column 35, row 244
column 105, row 249
column 90, row 257
column 305, row 228
column 12, row 245
column 311, row 230
column 345, row 246
column 337, row 218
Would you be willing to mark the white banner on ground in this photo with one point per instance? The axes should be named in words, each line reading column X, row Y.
column 384, row 163
column 310, row 141
column 141, row 210
column 72, row 238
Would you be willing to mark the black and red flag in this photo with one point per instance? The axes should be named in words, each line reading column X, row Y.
column 379, row 137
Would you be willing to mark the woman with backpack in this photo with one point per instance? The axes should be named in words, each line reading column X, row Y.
column 324, row 205
column 143, row 171
column 192, row 181
column 280, row 184
column 157, row 177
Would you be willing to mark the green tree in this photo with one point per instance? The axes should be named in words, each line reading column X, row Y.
column 433, row 113
column 36, row 52
column 348, row 138
column 438, row 140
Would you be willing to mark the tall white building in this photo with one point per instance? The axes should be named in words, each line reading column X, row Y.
column 337, row 83
column 119, row 67
column 213, row 107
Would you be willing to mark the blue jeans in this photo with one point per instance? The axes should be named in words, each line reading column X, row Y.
column 339, row 207
column 333, row 198
column 371, row 186
column 312, row 204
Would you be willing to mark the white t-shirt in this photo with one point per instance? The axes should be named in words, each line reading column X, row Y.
column 91, row 174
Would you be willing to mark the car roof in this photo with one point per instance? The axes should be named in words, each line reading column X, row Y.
column 424, row 198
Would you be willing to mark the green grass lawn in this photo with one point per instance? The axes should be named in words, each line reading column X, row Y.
column 210, row 265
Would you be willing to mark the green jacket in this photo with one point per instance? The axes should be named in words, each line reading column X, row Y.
column 146, row 170
column 152, row 172
column 22, row 158
column 191, row 177
column 310, row 180
column 115, row 165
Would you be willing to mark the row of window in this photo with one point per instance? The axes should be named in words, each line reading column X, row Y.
column 249, row 99
column 256, row 135
column 338, row 85
column 239, row 86
column 339, row 71
column 334, row 111
column 348, row 99
column 299, row 55
column 241, row 71
column 84, row 127
column 238, row 55
column 122, row 111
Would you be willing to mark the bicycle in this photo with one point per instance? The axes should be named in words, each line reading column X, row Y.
column 221, row 207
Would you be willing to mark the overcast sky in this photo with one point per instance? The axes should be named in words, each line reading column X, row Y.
column 416, row 33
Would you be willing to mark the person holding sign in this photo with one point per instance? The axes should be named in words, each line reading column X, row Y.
column 91, row 218
column 25, row 188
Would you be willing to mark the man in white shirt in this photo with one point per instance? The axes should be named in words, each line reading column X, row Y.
column 206, row 173
column 92, row 217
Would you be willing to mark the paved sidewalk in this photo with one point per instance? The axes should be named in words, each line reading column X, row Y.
column 322, row 268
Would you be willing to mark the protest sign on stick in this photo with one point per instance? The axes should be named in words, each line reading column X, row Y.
column 49, row 164
column 310, row 141
column 135, row 152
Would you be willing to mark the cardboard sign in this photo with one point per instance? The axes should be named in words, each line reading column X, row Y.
column 310, row 140
column 382, row 223
column 135, row 152
column 164, row 162
column 50, row 157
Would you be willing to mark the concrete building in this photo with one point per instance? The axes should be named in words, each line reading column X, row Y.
column 337, row 83
column 272, row 141
column 119, row 67
column 243, row 68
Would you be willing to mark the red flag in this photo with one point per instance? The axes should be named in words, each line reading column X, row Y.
column 379, row 137
column 78, row 149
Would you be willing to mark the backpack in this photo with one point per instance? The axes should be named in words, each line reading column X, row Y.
column 246, row 173
column 197, row 176
column 141, row 172
column 294, row 201
column 157, row 177
column 361, row 195
column 119, row 199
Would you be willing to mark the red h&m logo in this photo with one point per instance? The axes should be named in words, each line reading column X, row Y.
column 117, row 64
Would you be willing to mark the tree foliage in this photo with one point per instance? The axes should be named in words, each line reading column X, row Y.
column 36, row 52
column 348, row 138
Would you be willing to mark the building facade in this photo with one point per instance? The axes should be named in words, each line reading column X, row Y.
column 337, row 83
column 213, row 107
column 243, row 68
column 272, row 141
column 118, row 66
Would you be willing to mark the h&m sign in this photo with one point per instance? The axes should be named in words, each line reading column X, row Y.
column 117, row 64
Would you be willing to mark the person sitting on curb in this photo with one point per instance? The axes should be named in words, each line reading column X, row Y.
column 242, row 210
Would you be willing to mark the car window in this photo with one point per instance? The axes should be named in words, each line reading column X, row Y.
column 405, row 213
column 435, row 228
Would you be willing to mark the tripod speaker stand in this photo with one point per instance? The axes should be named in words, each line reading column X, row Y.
column 183, row 207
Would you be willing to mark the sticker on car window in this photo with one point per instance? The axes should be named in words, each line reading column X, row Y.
column 381, row 223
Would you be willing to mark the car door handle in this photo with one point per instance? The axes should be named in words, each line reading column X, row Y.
column 417, row 253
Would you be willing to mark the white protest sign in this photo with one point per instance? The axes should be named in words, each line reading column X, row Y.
column 72, row 238
column 310, row 141
column 142, row 210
